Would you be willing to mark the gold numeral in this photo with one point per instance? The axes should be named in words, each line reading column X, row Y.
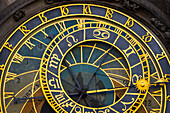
column 61, row 27
column 160, row 56
column 10, row 76
column 80, row 23
column 71, row 104
column 24, row 30
column 109, row 13
column 54, row 61
column 129, row 23
column 64, row 10
column 8, row 95
column 29, row 44
column 147, row 37
column 73, row 38
column 2, row 67
column 118, row 31
column 43, row 31
column 86, row 9
column 42, row 18
column 129, row 51
column 53, row 82
column 8, row 46
column 18, row 58
column 60, row 97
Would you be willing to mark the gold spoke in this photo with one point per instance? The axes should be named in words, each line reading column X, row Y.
column 91, row 53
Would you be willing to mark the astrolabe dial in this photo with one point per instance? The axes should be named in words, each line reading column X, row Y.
column 83, row 58
column 98, row 73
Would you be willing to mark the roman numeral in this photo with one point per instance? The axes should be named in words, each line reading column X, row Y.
column 8, row 46
column 45, row 34
column 29, row 44
column 8, row 95
column 129, row 51
column 18, row 58
column 10, row 76
column 118, row 31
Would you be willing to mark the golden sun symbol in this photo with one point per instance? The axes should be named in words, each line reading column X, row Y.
column 142, row 85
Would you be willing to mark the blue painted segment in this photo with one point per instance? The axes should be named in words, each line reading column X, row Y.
column 33, row 23
column 15, row 38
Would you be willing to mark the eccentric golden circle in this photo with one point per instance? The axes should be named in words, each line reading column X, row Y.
column 142, row 85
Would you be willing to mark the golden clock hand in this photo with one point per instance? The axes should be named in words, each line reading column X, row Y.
column 105, row 90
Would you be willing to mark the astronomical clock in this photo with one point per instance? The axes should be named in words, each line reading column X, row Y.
column 74, row 57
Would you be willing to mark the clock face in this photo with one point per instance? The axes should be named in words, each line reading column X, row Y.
column 83, row 58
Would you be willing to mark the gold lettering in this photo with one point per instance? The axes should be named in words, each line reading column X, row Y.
column 109, row 13
column 42, row 17
column 86, row 9
column 2, row 67
column 53, row 62
column 29, row 44
column 18, row 58
column 147, row 37
column 64, row 10
column 8, row 46
column 129, row 51
column 160, row 56
column 73, row 38
column 53, row 82
column 10, row 76
column 24, row 30
column 129, row 23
